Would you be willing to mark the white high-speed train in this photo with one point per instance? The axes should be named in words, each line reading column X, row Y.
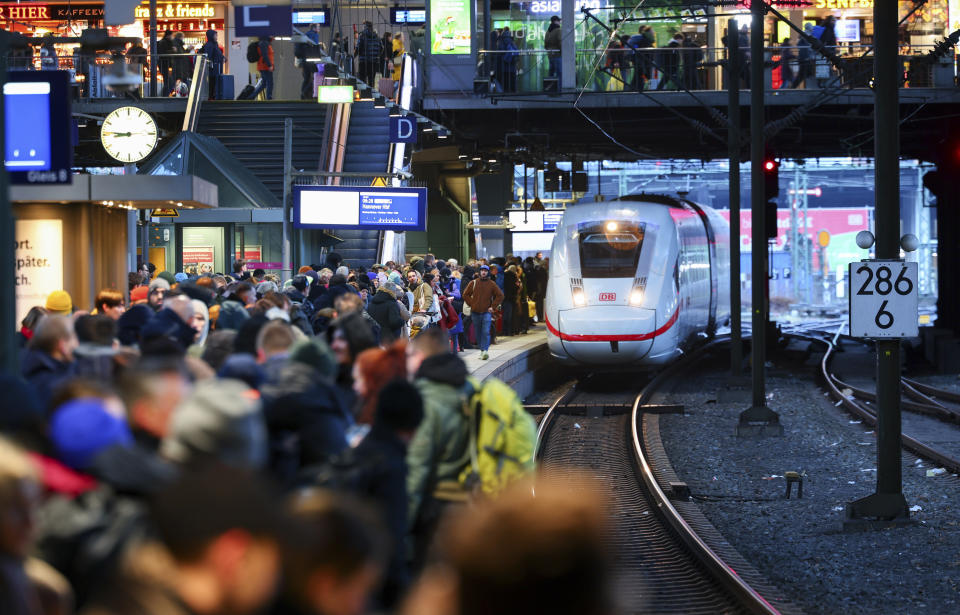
column 635, row 281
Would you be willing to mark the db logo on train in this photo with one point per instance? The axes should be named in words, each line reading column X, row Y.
column 608, row 296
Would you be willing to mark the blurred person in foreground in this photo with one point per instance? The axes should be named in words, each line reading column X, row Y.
column 335, row 569
column 219, row 538
column 27, row 586
column 520, row 554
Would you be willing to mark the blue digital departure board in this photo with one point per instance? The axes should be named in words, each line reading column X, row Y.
column 321, row 17
column 413, row 17
column 382, row 209
column 39, row 144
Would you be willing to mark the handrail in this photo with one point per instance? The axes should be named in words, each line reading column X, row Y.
column 198, row 86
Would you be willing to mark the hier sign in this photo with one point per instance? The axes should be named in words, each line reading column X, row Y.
column 403, row 129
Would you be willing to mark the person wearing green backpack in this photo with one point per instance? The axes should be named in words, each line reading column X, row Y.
column 440, row 449
column 475, row 438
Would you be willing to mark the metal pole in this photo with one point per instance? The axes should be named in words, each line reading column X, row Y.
column 733, row 149
column 285, row 256
column 145, row 239
column 758, row 419
column 888, row 501
column 153, row 48
column 8, row 302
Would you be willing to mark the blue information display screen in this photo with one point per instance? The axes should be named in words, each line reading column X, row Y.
column 400, row 16
column 321, row 17
column 38, row 147
column 551, row 220
column 384, row 209
column 27, row 124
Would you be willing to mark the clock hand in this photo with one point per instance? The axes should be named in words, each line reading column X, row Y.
column 119, row 134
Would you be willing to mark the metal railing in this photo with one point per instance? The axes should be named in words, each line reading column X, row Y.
column 619, row 69
column 175, row 72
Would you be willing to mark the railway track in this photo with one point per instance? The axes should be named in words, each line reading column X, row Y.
column 661, row 562
column 920, row 398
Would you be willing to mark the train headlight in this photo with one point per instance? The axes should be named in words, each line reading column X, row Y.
column 579, row 298
column 636, row 297
column 611, row 226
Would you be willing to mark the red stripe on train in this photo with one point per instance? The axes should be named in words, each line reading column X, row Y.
column 572, row 337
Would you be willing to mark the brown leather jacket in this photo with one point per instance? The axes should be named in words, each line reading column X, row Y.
column 482, row 295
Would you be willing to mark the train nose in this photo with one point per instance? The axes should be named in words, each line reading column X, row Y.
column 607, row 335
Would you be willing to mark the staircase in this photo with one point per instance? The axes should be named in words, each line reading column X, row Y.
column 253, row 132
column 367, row 151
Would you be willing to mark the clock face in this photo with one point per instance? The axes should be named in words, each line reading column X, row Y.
column 129, row 134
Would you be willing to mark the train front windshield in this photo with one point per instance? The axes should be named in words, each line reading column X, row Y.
column 610, row 249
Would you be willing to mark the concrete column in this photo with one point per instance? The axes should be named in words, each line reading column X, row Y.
column 568, row 51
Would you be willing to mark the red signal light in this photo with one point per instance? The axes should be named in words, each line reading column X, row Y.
column 769, row 165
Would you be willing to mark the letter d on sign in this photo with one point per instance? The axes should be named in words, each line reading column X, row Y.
column 403, row 130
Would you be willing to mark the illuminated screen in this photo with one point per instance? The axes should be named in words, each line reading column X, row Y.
column 450, row 28
column 27, row 125
column 408, row 16
column 384, row 209
column 321, row 17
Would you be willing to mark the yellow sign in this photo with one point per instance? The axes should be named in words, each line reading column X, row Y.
column 164, row 213
column 175, row 11
column 380, row 182
column 835, row 5
column 823, row 238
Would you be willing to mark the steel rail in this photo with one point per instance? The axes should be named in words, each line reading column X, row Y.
column 725, row 577
column 861, row 411
column 933, row 391
column 722, row 572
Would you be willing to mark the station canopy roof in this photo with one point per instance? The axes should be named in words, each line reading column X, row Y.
column 126, row 191
column 190, row 153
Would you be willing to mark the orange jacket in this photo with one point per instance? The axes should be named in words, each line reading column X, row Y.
column 261, row 63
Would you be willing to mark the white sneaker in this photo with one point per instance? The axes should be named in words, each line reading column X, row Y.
column 484, row 356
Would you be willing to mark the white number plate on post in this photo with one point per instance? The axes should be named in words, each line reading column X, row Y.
column 883, row 299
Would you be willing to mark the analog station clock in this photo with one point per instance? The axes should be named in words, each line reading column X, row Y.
column 129, row 134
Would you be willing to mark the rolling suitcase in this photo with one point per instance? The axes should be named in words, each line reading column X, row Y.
column 247, row 92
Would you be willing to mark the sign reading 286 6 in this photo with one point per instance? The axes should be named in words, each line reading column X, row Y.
column 883, row 299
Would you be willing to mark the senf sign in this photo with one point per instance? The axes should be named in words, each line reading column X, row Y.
column 883, row 299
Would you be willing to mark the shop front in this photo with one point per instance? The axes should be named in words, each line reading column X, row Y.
column 65, row 22
column 82, row 237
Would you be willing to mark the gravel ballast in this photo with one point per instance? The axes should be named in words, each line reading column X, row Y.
column 799, row 543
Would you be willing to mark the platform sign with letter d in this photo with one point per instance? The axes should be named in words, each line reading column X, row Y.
column 883, row 299
column 403, row 129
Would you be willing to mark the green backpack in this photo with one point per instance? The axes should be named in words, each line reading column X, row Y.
column 502, row 437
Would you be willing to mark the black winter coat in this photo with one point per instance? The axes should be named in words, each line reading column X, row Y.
column 384, row 309
column 384, row 482
column 44, row 373
column 168, row 323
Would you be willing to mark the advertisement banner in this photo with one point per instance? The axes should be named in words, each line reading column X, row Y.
column 197, row 259
column 38, row 262
column 450, row 27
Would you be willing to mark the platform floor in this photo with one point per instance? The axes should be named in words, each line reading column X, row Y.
column 506, row 349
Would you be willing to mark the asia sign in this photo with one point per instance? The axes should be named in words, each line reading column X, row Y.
column 450, row 27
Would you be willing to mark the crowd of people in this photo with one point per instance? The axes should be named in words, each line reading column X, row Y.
column 214, row 443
